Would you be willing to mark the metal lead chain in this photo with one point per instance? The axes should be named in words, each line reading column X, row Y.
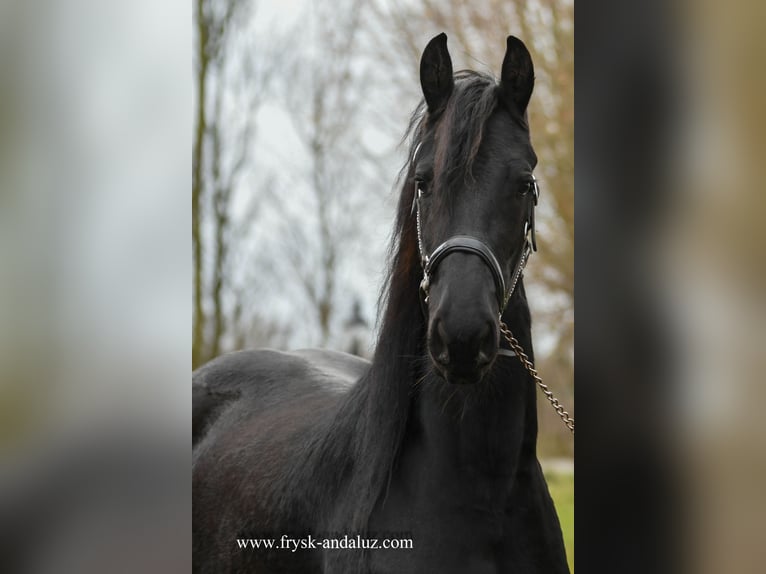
column 568, row 420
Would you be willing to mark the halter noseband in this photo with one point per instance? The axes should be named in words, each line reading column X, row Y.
column 472, row 245
column 466, row 244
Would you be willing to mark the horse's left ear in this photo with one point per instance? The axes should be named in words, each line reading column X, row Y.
column 518, row 76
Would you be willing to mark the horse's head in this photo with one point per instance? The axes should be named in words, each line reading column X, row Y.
column 474, row 196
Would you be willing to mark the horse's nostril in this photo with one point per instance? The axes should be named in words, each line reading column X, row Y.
column 465, row 348
column 438, row 345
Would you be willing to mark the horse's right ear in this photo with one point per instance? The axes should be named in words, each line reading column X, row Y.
column 436, row 73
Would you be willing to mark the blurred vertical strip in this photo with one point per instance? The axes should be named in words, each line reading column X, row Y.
column 717, row 282
column 95, row 109
column 670, row 281
column 626, row 113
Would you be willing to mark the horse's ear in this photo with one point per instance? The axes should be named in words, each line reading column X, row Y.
column 436, row 73
column 518, row 76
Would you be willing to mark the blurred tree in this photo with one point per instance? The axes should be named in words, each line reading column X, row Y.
column 356, row 333
column 324, row 96
column 226, row 77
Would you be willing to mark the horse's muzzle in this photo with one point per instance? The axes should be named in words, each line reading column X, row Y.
column 463, row 352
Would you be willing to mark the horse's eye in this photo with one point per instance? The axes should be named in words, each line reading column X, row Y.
column 421, row 185
column 526, row 187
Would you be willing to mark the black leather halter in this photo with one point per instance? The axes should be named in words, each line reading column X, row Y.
column 466, row 244
column 472, row 245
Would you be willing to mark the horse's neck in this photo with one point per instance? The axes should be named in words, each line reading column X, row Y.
column 485, row 429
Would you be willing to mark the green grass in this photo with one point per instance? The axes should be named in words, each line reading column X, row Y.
column 562, row 490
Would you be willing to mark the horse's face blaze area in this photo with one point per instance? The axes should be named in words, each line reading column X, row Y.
column 484, row 198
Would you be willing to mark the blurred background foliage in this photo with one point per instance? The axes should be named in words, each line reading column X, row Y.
column 299, row 110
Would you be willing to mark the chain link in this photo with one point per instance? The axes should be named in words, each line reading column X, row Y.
column 568, row 420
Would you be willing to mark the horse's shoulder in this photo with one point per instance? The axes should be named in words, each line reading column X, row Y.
column 256, row 381
column 235, row 376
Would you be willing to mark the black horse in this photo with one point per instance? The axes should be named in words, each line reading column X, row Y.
column 433, row 443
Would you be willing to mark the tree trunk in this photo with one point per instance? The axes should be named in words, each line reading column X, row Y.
column 198, row 314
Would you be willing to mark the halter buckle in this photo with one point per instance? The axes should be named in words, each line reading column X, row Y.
column 535, row 189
